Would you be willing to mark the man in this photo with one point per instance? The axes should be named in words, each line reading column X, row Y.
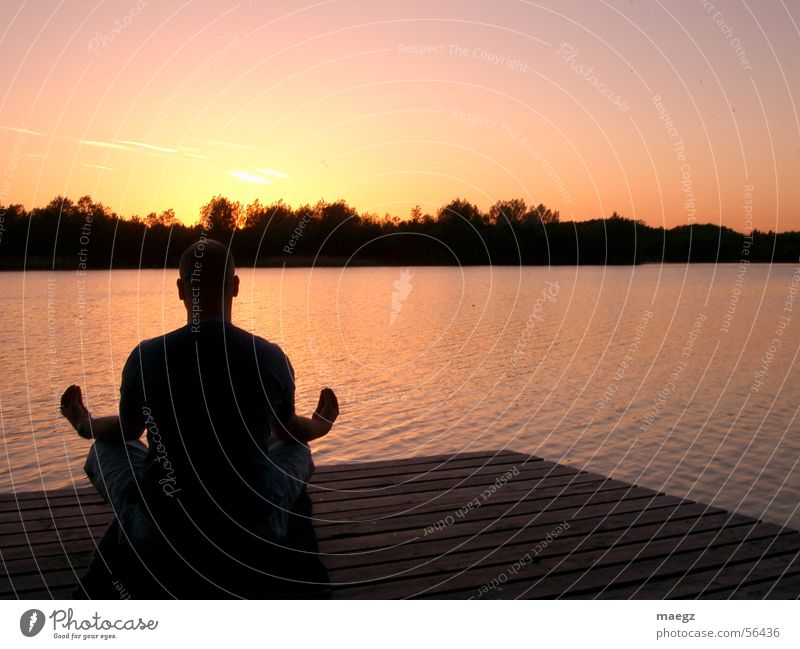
column 215, row 505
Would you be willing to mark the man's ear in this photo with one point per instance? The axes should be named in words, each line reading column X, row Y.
column 235, row 285
column 180, row 290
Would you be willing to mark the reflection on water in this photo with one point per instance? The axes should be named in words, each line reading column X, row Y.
column 680, row 378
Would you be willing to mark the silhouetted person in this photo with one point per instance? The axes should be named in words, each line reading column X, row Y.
column 215, row 504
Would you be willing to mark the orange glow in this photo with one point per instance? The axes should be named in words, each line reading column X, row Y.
column 147, row 107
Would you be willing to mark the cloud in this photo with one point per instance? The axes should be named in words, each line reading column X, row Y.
column 103, row 167
column 151, row 147
column 26, row 131
column 191, row 152
column 247, row 177
column 273, row 172
column 105, row 145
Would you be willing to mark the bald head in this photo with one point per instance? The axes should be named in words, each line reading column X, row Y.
column 207, row 283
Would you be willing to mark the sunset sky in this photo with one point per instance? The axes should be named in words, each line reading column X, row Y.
column 152, row 105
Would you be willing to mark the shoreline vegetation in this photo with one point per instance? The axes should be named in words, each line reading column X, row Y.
column 86, row 235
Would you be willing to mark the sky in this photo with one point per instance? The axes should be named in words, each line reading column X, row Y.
column 670, row 112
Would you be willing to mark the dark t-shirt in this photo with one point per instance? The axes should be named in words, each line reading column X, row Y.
column 208, row 395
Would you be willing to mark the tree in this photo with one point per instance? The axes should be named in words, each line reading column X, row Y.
column 253, row 214
column 460, row 209
column 167, row 218
column 13, row 212
column 60, row 206
column 333, row 214
column 221, row 215
column 86, row 207
column 542, row 214
column 512, row 211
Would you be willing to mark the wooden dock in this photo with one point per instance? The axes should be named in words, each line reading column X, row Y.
column 472, row 525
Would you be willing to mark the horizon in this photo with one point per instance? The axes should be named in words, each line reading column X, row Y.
column 674, row 115
column 197, row 222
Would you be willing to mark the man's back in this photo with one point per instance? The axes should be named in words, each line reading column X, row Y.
column 215, row 503
column 208, row 395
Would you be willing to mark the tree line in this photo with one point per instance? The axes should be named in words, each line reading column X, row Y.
column 63, row 232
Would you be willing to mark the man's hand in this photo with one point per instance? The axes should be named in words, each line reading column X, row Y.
column 305, row 429
column 75, row 411
column 108, row 429
column 327, row 411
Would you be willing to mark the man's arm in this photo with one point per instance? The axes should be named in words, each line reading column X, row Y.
column 109, row 429
column 306, row 429
column 290, row 464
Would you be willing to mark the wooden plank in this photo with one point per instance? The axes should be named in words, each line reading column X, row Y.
column 45, row 524
column 43, row 501
column 33, row 535
column 714, row 580
column 70, row 534
column 421, row 466
column 525, row 480
column 439, row 545
column 573, row 543
column 481, row 552
column 389, row 503
column 556, row 576
column 21, row 496
column 51, row 522
column 13, row 501
column 53, row 548
column 37, row 582
column 386, row 540
column 53, row 594
column 649, row 567
column 64, row 507
column 69, row 580
column 679, row 557
column 31, row 561
column 17, row 567
column 483, row 543
column 442, row 486
column 77, row 533
column 384, row 532
column 784, row 586
column 458, row 499
column 91, row 497
column 371, row 483
column 16, row 534
column 415, row 525
column 323, row 471
column 442, row 458
column 44, row 513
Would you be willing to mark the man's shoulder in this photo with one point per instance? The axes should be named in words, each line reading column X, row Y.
column 236, row 337
column 156, row 344
column 156, row 341
column 260, row 344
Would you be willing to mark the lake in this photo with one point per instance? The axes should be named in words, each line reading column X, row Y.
column 682, row 378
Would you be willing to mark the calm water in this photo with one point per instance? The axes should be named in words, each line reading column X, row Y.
column 632, row 372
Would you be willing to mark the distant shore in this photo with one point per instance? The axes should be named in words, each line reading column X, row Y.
column 85, row 235
column 330, row 262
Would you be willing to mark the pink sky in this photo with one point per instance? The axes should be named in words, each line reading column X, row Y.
column 151, row 105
